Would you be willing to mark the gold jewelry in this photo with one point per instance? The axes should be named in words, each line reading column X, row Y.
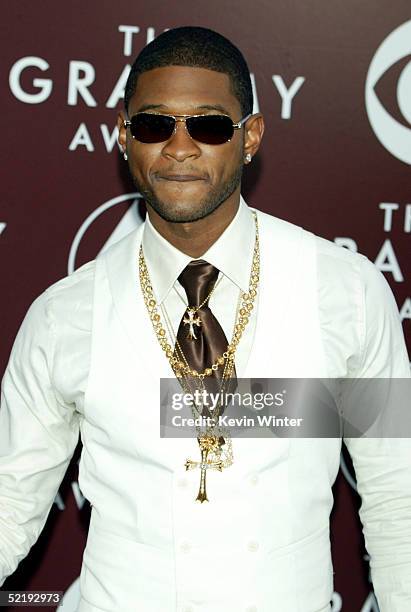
column 192, row 317
column 247, row 305
column 228, row 366
column 191, row 321
column 213, row 456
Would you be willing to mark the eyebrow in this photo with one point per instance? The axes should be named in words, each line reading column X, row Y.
column 211, row 107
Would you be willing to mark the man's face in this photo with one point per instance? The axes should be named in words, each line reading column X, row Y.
column 183, row 179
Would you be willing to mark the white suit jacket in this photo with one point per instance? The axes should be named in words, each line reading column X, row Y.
column 262, row 543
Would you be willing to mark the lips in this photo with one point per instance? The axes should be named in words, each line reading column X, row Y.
column 180, row 178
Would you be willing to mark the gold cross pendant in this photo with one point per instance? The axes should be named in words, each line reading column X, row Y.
column 207, row 444
column 192, row 320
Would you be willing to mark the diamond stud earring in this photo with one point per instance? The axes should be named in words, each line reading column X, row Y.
column 248, row 158
column 125, row 156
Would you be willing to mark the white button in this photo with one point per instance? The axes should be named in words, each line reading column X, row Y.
column 253, row 546
column 185, row 547
column 254, row 479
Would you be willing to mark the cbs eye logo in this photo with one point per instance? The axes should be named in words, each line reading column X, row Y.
column 393, row 135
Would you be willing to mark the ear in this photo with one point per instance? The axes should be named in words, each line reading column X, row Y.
column 254, row 130
column 122, row 131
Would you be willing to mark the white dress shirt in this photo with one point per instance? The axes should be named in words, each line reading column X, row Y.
column 86, row 359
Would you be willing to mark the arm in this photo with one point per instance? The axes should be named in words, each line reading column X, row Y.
column 38, row 435
column 383, row 466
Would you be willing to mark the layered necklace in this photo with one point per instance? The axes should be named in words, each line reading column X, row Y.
column 215, row 444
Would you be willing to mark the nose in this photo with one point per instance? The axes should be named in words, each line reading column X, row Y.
column 180, row 146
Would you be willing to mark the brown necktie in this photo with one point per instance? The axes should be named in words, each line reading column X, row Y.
column 198, row 279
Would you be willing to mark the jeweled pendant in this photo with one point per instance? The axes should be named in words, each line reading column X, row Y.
column 191, row 319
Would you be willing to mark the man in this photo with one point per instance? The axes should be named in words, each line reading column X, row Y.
column 164, row 301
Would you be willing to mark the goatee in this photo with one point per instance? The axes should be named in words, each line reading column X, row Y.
column 198, row 210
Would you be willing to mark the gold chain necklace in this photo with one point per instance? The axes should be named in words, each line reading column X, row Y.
column 247, row 305
column 212, row 438
column 228, row 366
column 210, row 443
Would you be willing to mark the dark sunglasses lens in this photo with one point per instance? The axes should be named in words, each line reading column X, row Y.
column 150, row 128
column 210, row 129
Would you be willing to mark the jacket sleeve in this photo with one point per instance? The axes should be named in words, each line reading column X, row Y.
column 383, row 465
column 38, row 436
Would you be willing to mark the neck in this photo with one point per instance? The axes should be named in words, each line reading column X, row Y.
column 196, row 237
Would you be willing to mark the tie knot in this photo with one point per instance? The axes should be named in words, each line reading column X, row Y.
column 198, row 280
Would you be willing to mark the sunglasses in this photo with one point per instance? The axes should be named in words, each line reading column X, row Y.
column 153, row 128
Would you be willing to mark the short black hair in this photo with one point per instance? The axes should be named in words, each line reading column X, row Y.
column 198, row 47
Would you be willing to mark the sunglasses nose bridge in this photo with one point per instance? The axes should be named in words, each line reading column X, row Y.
column 181, row 120
column 180, row 144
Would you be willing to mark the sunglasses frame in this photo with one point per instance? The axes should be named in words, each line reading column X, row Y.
column 182, row 119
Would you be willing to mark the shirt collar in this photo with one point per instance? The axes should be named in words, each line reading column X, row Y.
column 232, row 254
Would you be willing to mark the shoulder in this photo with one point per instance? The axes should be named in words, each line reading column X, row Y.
column 68, row 300
column 63, row 307
column 279, row 227
column 346, row 281
column 337, row 260
column 74, row 287
column 350, row 270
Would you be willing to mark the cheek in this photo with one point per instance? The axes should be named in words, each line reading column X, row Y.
column 226, row 162
column 143, row 160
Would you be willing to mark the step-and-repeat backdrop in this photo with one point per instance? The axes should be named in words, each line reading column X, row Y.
column 333, row 80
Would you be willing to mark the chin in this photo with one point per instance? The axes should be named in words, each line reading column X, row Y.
column 180, row 212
